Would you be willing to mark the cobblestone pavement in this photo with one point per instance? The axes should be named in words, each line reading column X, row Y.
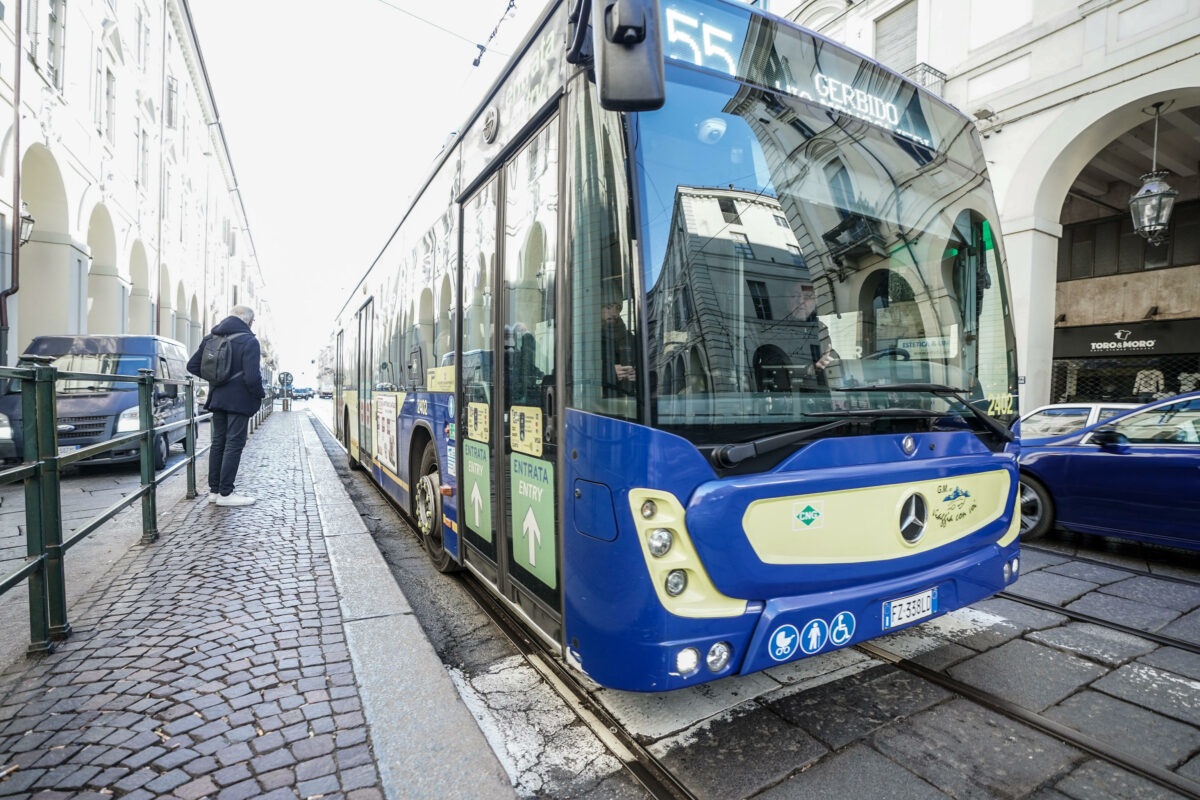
column 212, row 663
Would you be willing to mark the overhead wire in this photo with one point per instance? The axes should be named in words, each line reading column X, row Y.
column 482, row 47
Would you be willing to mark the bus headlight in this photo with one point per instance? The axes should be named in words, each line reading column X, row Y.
column 687, row 661
column 676, row 582
column 649, row 509
column 128, row 421
column 718, row 656
column 6, row 433
column 659, row 541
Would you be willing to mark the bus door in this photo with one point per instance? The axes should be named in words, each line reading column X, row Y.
column 338, row 384
column 510, row 417
column 477, row 383
column 530, row 418
column 365, row 318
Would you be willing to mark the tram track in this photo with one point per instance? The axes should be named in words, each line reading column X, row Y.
column 1077, row 616
column 1067, row 735
column 649, row 772
column 1099, row 562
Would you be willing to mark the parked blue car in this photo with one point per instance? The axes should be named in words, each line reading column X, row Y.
column 1135, row 475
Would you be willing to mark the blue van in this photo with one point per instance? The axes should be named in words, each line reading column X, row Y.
column 92, row 411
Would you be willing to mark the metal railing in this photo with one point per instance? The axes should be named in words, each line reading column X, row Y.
column 41, row 471
column 932, row 79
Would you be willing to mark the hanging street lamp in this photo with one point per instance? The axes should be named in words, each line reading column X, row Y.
column 1152, row 204
column 27, row 221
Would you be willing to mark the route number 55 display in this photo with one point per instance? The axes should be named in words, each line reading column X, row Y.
column 682, row 28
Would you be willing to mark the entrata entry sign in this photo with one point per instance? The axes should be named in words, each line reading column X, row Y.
column 533, row 517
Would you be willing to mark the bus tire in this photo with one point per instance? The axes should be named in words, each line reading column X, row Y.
column 427, row 509
column 1037, row 508
column 346, row 433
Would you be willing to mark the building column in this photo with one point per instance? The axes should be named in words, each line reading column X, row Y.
column 1031, row 247
column 141, row 312
column 105, row 303
column 45, row 292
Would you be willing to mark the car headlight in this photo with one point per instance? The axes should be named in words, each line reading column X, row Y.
column 128, row 421
column 6, row 433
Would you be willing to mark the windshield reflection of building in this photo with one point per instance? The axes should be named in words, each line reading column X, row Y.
column 859, row 253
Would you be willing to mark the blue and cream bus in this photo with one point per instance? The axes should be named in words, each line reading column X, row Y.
column 695, row 347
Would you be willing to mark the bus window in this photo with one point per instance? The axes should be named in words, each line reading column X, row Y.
column 606, row 359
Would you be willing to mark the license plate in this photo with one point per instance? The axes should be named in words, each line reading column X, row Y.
column 67, row 448
column 907, row 609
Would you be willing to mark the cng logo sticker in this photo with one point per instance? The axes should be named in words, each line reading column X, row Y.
column 782, row 644
column 808, row 514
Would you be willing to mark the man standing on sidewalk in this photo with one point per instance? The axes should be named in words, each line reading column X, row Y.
column 232, row 401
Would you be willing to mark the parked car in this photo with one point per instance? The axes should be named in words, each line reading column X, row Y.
column 1134, row 475
column 92, row 411
column 1063, row 418
column 303, row 393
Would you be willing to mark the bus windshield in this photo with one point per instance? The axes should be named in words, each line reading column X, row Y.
column 792, row 252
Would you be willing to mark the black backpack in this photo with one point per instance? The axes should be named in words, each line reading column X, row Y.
column 216, row 359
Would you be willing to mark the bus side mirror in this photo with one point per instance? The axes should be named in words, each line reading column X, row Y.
column 628, row 54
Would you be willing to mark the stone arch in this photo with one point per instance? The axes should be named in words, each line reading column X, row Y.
column 48, row 262
column 196, row 331
column 1034, row 187
column 445, row 318
column 425, row 333
column 771, row 370
column 182, row 320
column 107, row 291
column 141, row 307
column 818, row 14
column 166, row 310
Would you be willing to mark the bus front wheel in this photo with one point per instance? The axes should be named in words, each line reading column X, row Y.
column 427, row 508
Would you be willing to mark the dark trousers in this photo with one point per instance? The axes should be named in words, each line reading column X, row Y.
column 228, row 439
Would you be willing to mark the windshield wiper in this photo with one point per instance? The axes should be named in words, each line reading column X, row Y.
column 992, row 424
column 730, row 455
column 881, row 413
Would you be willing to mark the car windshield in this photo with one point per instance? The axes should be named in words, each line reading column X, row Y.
column 99, row 363
column 792, row 252
column 1176, row 423
column 1053, row 422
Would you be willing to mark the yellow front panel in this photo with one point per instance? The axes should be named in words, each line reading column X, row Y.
column 858, row 525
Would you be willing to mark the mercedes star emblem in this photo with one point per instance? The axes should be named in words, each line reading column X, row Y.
column 912, row 518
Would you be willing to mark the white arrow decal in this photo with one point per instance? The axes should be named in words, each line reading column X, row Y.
column 531, row 530
column 476, row 501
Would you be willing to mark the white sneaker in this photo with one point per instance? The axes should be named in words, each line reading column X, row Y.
column 234, row 500
column 212, row 497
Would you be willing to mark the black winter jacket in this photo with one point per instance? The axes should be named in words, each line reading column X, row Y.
column 243, row 393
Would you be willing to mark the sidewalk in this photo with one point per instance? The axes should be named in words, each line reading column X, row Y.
column 255, row 652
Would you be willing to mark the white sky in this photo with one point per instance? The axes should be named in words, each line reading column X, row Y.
column 333, row 113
